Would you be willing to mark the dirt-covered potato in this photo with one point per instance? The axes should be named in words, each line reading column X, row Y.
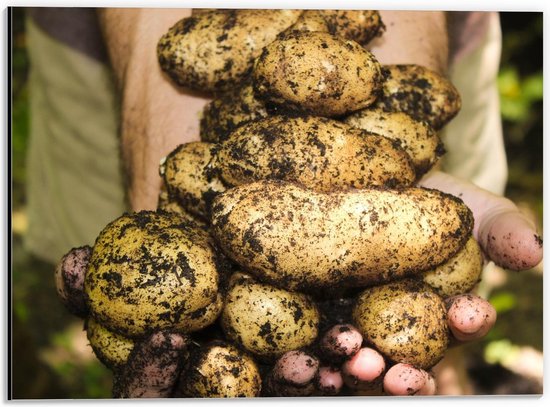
column 215, row 50
column 418, row 139
column 218, row 370
column 299, row 239
column 188, row 177
column 320, row 153
column 152, row 271
column 268, row 321
column 168, row 203
column 228, row 111
column 110, row 348
column 358, row 25
column 312, row 72
column 460, row 274
column 405, row 320
column 311, row 20
column 421, row 93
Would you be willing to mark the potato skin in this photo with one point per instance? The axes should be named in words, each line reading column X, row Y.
column 268, row 321
column 418, row 139
column 110, row 348
column 310, row 72
column 458, row 275
column 151, row 271
column 405, row 320
column 420, row 92
column 189, row 178
column 228, row 111
column 301, row 240
column 220, row 370
column 320, row 153
column 214, row 50
column 360, row 26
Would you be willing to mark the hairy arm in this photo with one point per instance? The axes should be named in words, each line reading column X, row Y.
column 156, row 116
column 413, row 37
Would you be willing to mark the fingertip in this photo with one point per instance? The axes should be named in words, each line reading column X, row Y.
column 330, row 380
column 296, row 367
column 365, row 366
column 341, row 340
column 406, row 380
column 470, row 317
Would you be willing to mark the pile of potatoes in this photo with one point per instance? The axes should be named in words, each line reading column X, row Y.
column 301, row 190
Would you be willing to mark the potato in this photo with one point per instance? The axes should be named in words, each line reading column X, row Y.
column 460, row 274
column 421, row 93
column 418, row 139
column 319, row 153
column 405, row 320
column 358, row 25
column 298, row 239
column 189, row 178
column 268, row 321
column 311, row 72
column 169, row 204
column 110, row 348
column 220, row 370
column 214, row 50
column 228, row 111
column 152, row 271
column 310, row 20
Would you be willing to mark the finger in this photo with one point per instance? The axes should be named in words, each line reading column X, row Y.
column 364, row 369
column 406, row 380
column 330, row 381
column 153, row 367
column 506, row 235
column 294, row 375
column 69, row 280
column 469, row 316
column 341, row 341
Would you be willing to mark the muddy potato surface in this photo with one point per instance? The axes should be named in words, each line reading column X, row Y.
column 151, row 271
column 221, row 370
column 268, row 321
column 228, row 111
column 110, row 348
column 460, row 274
column 189, row 178
column 404, row 320
column 214, row 50
column 298, row 239
column 320, row 153
column 418, row 139
column 311, row 72
column 358, row 25
column 423, row 94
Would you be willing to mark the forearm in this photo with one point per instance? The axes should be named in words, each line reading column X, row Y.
column 413, row 37
column 155, row 115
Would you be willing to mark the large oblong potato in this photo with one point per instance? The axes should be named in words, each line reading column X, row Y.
column 298, row 239
column 421, row 93
column 214, row 50
column 418, row 139
column 405, row 320
column 311, row 72
column 151, row 271
column 458, row 275
column 320, row 153
column 220, row 370
column 189, row 178
column 268, row 321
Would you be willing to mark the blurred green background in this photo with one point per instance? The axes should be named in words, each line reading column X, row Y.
column 51, row 358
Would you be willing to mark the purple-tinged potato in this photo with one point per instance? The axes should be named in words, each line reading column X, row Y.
column 298, row 239
column 69, row 280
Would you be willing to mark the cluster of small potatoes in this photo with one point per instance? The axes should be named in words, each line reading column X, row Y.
column 302, row 189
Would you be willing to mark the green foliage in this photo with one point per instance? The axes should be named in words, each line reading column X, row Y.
column 517, row 95
column 503, row 301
